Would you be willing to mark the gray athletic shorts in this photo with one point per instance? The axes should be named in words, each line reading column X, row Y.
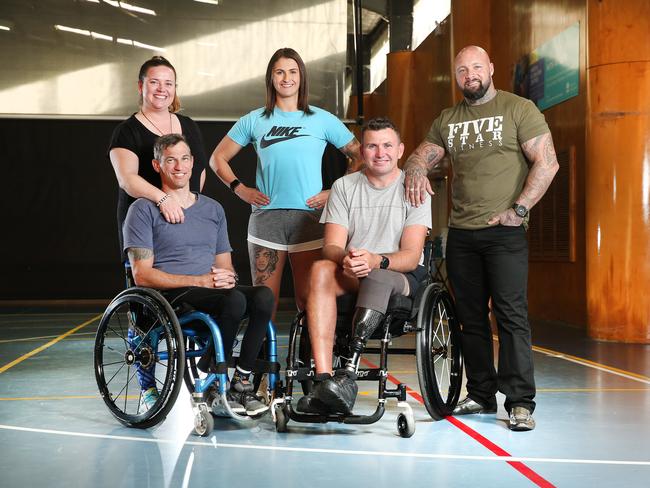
column 286, row 229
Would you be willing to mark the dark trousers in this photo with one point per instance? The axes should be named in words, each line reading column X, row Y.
column 228, row 308
column 493, row 263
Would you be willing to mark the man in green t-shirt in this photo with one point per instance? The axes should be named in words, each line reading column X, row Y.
column 503, row 160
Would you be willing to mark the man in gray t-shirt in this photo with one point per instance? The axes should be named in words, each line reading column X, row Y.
column 373, row 247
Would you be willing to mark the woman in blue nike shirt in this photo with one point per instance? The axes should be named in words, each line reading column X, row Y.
column 289, row 136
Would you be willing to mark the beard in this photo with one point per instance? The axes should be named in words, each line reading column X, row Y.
column 478, row 93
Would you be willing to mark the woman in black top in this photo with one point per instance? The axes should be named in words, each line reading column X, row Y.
column 131, row 147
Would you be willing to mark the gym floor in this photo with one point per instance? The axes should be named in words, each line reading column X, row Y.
column 593, row 424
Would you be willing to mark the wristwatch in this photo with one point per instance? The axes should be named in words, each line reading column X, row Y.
column 234, row 184
column 385, row 262
column 520, row 210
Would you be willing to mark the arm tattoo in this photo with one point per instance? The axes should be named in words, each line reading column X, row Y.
column 352, row 151
column 139, row 253
column 424, row 158
column 543, row 165
column 263, row 263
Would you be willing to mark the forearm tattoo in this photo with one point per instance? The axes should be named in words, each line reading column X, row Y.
column 543, row 165
column 424, row 159
column 139, row 253
column 264, row 264
column 352, row 151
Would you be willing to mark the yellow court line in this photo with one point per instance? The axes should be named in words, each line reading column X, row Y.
column 48, row 398
column 45, row 346
column 586, row 362
column 589, row 362
column 37, row 338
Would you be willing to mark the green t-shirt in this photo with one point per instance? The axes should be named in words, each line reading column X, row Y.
column 484, row 144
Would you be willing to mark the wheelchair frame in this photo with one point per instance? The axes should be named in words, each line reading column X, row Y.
column 438, row 354
column 170, row 343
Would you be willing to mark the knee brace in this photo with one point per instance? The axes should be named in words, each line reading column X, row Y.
column 364, row 322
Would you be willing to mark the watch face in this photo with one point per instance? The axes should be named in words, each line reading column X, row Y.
column 520, row 210
column 384, row 262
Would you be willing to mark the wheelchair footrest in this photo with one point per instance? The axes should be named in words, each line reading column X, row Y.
column 398, row 392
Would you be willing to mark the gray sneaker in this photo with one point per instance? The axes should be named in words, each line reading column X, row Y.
column 521, row 419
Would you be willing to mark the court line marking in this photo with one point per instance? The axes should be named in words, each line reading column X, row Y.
column 501, row 453
column 212, row 443
column 45, row 346
column 36, row 338
column 593, row 364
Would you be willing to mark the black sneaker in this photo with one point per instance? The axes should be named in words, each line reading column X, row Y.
column 338, row 393
column 243, row 389
column 309, row 403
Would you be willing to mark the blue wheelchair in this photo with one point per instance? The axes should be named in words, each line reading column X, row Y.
column 142, row 333
column 430, row 315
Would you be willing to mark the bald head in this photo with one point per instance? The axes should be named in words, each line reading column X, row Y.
column 474, row 71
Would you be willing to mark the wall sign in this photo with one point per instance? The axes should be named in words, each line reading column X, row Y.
column 550, row 74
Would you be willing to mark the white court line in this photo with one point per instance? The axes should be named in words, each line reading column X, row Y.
column 213, row 444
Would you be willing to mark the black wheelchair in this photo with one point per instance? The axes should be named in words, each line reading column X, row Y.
column 430, row 314
column 140, row 331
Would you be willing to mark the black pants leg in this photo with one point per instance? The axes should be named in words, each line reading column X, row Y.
column 259, row 300
column 227, row 307
column 486, row 263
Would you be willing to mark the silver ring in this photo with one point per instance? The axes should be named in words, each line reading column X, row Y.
column 411, row 189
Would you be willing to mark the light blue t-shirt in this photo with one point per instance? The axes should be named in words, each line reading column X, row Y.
column 290, row 148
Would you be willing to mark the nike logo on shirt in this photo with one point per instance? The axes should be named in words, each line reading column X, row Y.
column 280, row 134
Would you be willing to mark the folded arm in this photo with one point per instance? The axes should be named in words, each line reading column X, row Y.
column 221, row 275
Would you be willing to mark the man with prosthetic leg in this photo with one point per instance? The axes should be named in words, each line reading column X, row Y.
column 373, row 248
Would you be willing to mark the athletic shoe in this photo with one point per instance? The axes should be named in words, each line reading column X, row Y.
column 309, row 403
column 243, row 390
column 150, row 397
column 521, row 419
column 339, row 392
column 219, row 409
column 253, row 404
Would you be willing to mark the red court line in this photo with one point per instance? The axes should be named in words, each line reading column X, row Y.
column 484, row 441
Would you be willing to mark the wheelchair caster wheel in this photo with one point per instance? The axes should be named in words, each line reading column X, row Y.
column 406, row 424
column 281, row 419
column 203, row 422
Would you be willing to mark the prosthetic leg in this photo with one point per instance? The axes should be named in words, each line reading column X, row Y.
column 364, row 323
column 339, row 393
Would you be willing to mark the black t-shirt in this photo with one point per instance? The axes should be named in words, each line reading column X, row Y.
column 135, row 137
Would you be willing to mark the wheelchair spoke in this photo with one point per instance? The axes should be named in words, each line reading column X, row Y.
column 116, row 372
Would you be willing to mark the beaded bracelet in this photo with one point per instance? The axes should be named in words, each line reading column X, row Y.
column 160, row 202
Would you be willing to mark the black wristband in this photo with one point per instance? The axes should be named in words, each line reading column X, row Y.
column 234, row 184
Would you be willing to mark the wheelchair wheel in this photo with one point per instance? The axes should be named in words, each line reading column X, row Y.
column 438, row 352
column 203, row 421
column 139, row 339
